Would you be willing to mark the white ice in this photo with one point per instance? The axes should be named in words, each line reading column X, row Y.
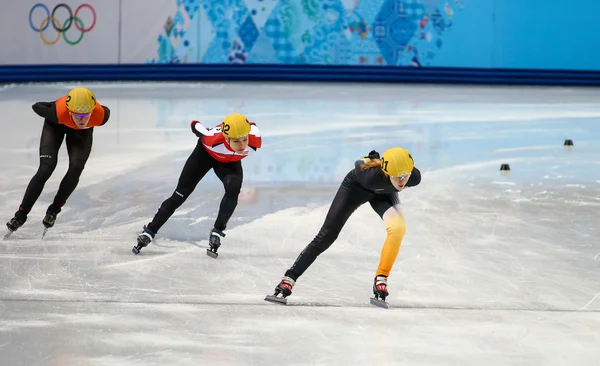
column 494, row 269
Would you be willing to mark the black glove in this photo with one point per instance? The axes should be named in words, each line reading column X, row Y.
column 373, row 155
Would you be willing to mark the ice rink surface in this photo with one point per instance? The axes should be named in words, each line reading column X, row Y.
column 493, row 270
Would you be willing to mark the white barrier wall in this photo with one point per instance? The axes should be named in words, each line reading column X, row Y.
column 57, row 32
column 140, row 43
column 499, row 34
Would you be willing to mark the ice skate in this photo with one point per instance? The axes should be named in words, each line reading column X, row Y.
column 284, row 288
column 214, row 240
column 143, row 240
column 380, row 291
column 14, row 224
column 48, row 222
column 50, row 218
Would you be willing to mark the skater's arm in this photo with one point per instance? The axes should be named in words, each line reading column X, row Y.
column 415, row 178
column 372, row 178
column 255, row 139
column 46, row 110
column 106, row 115
column 198, row 129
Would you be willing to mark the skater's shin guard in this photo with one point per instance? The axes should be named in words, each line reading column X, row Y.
column 396, row 228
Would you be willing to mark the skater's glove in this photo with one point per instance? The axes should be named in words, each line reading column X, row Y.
column 373, row 155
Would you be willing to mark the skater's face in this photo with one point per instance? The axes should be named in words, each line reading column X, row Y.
column 400, row 182
column 239, row 145
column 81, row 119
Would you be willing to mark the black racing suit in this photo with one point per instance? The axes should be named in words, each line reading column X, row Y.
column 358, row 187
column 195, row 168
column 79, row 146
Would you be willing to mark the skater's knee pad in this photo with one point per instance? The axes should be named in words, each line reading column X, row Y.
column 233, row 184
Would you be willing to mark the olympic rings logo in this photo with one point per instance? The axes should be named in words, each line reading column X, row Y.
column 62, row 28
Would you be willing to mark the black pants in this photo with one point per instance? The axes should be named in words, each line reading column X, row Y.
column 349, row 197
column 79, row 147
column 196, row 167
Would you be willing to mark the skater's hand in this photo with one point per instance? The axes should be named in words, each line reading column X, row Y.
column 373, row 155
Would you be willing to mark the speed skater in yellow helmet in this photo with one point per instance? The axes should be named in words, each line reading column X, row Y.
column 397, row 162
column 81, row 100
column 235, row 126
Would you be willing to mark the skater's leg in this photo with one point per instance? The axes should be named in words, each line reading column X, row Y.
column 197, row 165
column 79, row 147
column 50, row 142
column 388, row 208
column 231, row 174
column 346, row 201
column 396, row 228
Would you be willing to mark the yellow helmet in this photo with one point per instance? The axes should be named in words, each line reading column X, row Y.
column 235, row 126
column 81, row 100
column 397, row 162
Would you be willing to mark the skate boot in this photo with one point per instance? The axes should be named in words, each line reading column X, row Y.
column 214, row 240
column 50, row 218
column 15, row 223
column 380, row 291
column 284, row 288
column 51, row 213
column 143, row 240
